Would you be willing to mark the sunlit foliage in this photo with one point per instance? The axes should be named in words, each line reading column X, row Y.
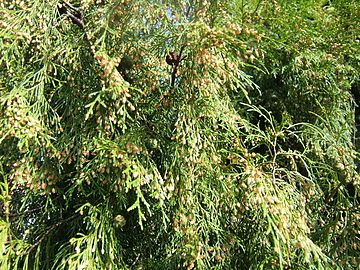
column 244, row 156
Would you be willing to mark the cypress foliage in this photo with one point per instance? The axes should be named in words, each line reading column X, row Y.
column 179, row 134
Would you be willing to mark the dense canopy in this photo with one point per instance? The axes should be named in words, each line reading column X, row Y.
column 181, row 134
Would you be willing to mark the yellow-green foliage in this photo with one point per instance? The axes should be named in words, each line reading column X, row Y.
column 247, row 160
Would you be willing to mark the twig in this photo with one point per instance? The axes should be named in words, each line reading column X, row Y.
column 28, row 211
column 136, row 259
column 76, row 17
column 69, row 11
column 53, row 227
column 69, row 5
column 257, row 6
column 20, row 214
column 76, row 20
column 176, row 64
column 188, row 12
column 351, row 209
column 274, row 159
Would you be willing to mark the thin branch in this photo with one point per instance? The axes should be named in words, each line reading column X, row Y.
column 76, row 20
column 69, row 5
column 53, row 227
column 11, row 215
column 351, row 209
column 257, row 7
column 176, row 64
column 188, row 12
column 135, row 261
column 332, row 194
column 274, row 159
column 20, row 214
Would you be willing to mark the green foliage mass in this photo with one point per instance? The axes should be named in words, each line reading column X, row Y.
column 241, row 155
